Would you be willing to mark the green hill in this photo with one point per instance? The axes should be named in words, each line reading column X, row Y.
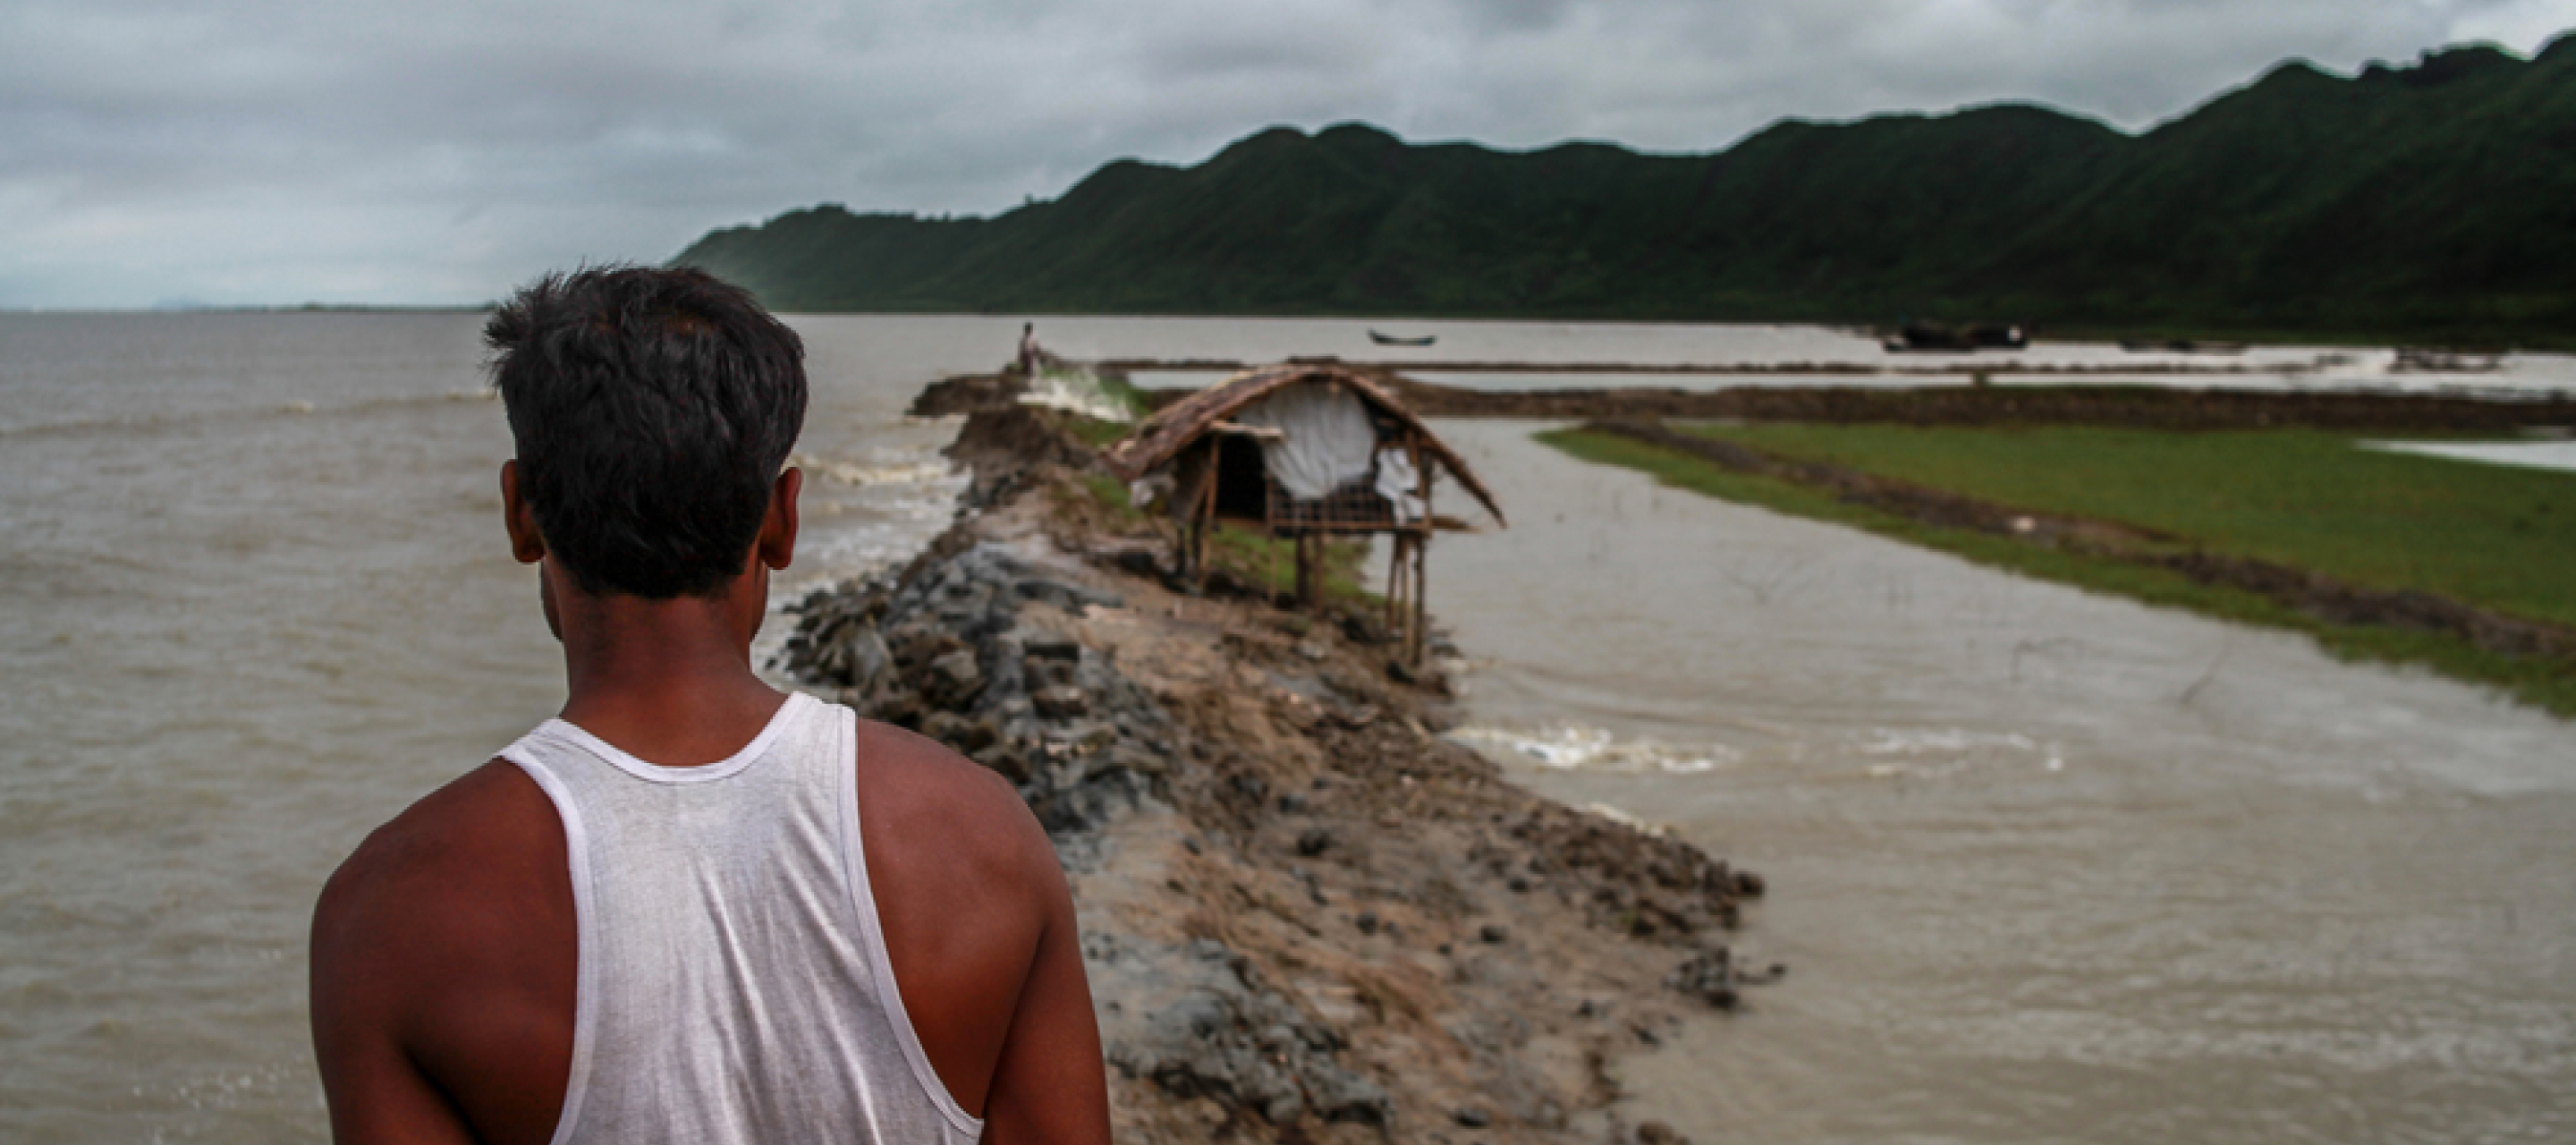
column 2432, row 202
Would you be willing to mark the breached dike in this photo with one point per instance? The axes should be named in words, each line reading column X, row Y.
column 1306, row 916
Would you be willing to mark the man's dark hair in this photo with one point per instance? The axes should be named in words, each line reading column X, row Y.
column 653, row 410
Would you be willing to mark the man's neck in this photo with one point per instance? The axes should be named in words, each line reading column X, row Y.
column 667, row 681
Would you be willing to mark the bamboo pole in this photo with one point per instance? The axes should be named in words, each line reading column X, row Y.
column 1419, row 637
column 1206, row 517
column 1304, row 588
column 1395, row 583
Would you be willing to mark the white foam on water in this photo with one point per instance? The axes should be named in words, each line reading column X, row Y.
column 885, row 467
column 881, row 508
column 2528, row 454
column 1077, row 390
column 1579, row 747
column 1932, row 752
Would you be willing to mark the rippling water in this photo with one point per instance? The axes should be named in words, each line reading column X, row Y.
column 255, row 598
column 2046, row 866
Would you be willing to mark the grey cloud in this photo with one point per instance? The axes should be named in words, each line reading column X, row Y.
column 279, row 150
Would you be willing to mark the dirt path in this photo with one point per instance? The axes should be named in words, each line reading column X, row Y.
column 1306, row 917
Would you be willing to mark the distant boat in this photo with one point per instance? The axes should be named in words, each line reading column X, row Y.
column 1392, row 340
column 1928, row 337
column 2180, row 346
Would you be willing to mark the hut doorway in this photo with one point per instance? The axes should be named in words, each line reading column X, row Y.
column 1242, row 482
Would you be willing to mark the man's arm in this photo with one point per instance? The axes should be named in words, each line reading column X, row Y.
column 443, row 966
column 1049, row 1085
column 980, row 925
column 376, row 1092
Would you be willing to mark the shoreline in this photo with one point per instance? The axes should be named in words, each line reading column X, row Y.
column 2139, row 407
column 1950, row 404
column 1306, row 916
column 2528, row 659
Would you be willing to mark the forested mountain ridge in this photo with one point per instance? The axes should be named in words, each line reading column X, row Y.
column 2435, row 201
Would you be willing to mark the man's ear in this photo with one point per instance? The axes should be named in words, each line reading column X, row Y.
column 777, row 544
column 526, row 543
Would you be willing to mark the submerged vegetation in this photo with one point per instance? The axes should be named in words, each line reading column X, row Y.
column 2414, row 203
column 2493, row 537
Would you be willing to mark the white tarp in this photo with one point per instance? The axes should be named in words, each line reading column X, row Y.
column 1399, row 484
column 1326, row 439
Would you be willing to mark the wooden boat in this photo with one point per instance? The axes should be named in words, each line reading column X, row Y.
column 1392, row 340
column 1928, row 337
column 2180, row 346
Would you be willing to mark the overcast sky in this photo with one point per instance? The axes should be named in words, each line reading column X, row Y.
column 278, row 151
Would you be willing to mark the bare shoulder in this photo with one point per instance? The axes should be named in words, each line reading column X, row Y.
column 465, row 893
column 971, row 900
column 917, row 795
column 444, row 966
column 489, row 829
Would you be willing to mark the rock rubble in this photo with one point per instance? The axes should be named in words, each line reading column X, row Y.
column 1306, row 918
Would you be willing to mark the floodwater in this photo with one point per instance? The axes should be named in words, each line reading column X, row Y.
column 2045, row 866
column 255, row 599
column 1796, row 352
column 2560, row 454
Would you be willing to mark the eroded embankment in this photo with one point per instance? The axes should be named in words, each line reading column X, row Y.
column 2311, row 593
column 1306, row 917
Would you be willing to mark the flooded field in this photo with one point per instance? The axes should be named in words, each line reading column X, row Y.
column 2046, row 866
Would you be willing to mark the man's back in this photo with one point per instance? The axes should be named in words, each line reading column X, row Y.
column 863, row 938
column 452, row 987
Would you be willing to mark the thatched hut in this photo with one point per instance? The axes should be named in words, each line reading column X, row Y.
column 1303, row 451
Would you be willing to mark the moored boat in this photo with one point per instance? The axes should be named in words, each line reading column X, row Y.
column 1933, row 337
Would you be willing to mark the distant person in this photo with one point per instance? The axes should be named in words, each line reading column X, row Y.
column 692, row 909
column 1030, row 355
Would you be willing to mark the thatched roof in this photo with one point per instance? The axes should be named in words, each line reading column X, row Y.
column 1175, row 426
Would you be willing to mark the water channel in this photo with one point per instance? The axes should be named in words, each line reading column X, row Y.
column 2045, row 865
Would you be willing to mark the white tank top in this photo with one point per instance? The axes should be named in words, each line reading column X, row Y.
column 734, row 984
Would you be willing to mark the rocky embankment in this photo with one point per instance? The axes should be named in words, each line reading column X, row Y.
column 1306, row 916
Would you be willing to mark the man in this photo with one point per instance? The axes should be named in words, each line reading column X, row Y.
column 692, row 909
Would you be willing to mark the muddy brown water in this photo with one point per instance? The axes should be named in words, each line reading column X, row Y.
column 2045, row 865
column 254, row 600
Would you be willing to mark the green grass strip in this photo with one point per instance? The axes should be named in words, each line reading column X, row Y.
column 2534, row 682
column 2496, row 536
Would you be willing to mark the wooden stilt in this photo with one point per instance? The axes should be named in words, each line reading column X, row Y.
column 1206, row 520
column 1421, row 626
column 1302, row 571
column 1419, row 636
column 1394, row 581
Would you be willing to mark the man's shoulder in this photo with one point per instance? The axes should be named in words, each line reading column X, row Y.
column 457, row 862
column 444, row 964
column 918, row 776
column 915, row 792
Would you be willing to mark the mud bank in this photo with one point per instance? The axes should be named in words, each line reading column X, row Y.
column 2137, row 407
column 1306, row 917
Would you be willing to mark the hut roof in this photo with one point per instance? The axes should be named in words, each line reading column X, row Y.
column 1175, row 426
